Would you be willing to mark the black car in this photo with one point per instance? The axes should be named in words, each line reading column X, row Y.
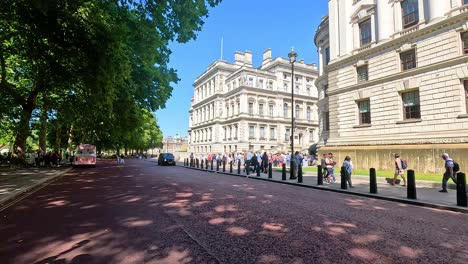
column 166, row 159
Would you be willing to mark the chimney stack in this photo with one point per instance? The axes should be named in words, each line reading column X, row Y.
column 266, row 56
column 239, row 58
column 248, row 57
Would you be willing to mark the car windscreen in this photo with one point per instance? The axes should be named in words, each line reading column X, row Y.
column 169, row 156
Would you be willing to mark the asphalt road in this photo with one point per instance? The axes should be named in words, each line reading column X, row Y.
column 142, row 213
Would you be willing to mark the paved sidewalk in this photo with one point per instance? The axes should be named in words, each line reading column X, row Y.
column 16, row 182
column 427, row 192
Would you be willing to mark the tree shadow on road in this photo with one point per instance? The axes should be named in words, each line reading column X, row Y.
column 139, row 214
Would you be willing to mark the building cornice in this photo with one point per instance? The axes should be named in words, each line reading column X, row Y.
column 258, row 91
column 401, row 75
column 250, row 70
column 267, row 120
column 283, row 62
column 322, row 28
column 412, row 33
column 212, row 69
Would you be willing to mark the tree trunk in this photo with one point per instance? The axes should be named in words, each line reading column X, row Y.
column 58, row 138
column 43, row 128
column 23, row 129
column 70, row 139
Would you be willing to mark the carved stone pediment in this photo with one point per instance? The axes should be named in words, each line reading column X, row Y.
column 362, row 12
column 406, row 47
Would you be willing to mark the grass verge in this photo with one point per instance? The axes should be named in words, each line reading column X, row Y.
column 387, row 174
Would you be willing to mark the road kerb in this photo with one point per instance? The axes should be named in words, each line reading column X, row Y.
column 368, row 195
column 15, row 197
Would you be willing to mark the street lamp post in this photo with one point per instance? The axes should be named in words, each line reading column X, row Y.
column 292, row 59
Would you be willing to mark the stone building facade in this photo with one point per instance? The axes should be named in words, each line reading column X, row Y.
column 395, row 81
column 237, row 107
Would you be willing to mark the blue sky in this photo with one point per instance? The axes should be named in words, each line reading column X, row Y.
column 253, row 25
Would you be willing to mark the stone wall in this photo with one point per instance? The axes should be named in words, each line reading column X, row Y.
column 421, row 158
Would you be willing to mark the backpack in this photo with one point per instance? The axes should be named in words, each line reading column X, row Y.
column 404, row 164
column 456, row 167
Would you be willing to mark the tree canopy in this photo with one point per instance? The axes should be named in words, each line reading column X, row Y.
column 90, row 71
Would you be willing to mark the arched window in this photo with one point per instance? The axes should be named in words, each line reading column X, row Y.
column 285, row 110
column 309, row 114
column 297, row 111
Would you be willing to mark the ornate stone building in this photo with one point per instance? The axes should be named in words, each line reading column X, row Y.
column 237, row 107
column 394, row 78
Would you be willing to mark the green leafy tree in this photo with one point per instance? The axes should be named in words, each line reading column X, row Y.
column 91, row 66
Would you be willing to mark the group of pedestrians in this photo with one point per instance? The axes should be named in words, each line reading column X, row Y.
column 451, row 169
column 46, row 159
column 328, row 166
column 5, row 158
column 253, row 160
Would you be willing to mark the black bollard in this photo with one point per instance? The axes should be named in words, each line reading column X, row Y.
column 411, row 185
column 270, row 170
column 373, row 181
column 319, row 175
column 461, row 190
column 258, row 171
column 206, row 165
column 201, row 166
column 239, row 167
column 292, row 175
column 224, row 166
column 230, row 166
column 217, row 165
column 247, row 167
column 299, row 173
column 184, row 162
column 344, row 184
column 283, row 172
column 198, row 163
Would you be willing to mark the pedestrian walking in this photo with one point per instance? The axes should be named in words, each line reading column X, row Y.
column 323, row 162
column 399, row 170
column 259, row 161
column 348, row 165
column 265, row 161
column 298, row 159
column 451, row 169
column 254, row 163
column 248, row 160
column 330, row 168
